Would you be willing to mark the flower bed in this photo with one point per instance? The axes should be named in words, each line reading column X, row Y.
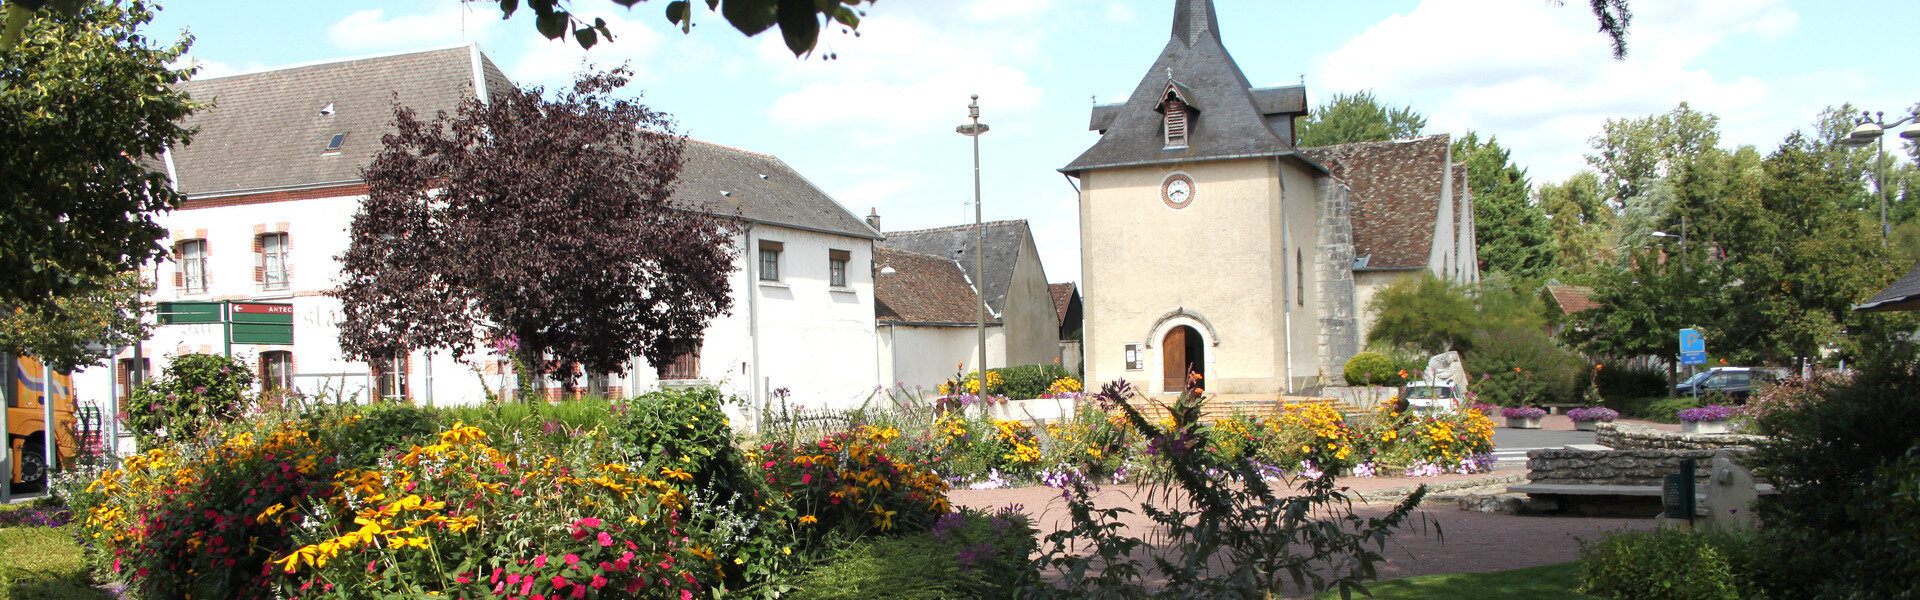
column 1711, row 412
column 1599, row 414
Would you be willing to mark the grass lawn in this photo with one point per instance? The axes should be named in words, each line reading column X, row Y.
column 1551, row 582
column 39, row 563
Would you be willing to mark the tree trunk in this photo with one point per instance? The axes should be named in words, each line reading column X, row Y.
column 533, row 381
column 1673, row 377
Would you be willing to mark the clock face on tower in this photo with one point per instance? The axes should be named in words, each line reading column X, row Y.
column 1177, row 191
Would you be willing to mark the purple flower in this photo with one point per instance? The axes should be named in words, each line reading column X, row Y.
column 1598, row 413
column 1711, row 412
column 1523, row 412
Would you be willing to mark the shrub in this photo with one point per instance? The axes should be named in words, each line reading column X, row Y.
column 195, row 393
column 848, row 483
column 1833, row 462
column 1372, row 368
column 685, row 430
column 1027, row 381
column 1667, row 410
column 1624, row 379
column 1711, row 412
column 1512, row 367
column 1670, row 564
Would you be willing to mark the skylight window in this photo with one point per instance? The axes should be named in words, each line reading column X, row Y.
column 333, row 145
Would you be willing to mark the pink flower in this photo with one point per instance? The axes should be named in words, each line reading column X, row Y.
column 579, row 591
column 808, row 478
column 598, row 582
column 540, row 562
column 513, row 578
column 573, row 558
column 526, row 586
column 587, row 522
column 686, row 595
column 605, row 540
column 560, row 583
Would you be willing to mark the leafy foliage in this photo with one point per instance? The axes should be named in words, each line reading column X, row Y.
column 1357, row 117
column 89, row 321
column 1371, row 368
column 84, row 101
column 1519, row 366
column 1670, row 563
column 548, row 220
column 1027, row 381
column 969, row 554
column 195, row 393
column 1582, row 224
column 799, row 22
column 1428, row 313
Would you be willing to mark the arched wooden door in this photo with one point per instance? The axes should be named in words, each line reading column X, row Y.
column 1181, row 351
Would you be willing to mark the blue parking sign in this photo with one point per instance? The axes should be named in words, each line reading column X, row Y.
column 1693, row 348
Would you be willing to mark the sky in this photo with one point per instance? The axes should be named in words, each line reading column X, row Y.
column 874, row 126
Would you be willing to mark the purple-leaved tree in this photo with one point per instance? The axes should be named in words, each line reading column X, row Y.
column 545, row 219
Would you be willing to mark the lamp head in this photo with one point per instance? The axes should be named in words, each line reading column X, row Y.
column 1911, row 132
column 1866, row 133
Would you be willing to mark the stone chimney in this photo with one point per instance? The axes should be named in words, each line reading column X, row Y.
column 873, row 218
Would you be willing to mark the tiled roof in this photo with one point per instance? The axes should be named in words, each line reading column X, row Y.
column 266, row 130
column 1572, row 298
column 1002, row 246
column 1396, row 196
column 923, row 289
column 1902, row 294
column 760, row 188
column 1062, row 296
column 1230, row 119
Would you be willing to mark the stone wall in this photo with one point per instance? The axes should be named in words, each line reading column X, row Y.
column 1333, row 261
column 1614, row 467
column 1630, row 436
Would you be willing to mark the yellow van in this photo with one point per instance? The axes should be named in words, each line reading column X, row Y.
column 30, row 386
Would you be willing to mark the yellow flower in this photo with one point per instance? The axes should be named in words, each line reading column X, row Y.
column 676, row 474
column 882, row 517
column 809, row 519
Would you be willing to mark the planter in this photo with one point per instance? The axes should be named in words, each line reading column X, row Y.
column 1523, row 422
column 1587, row 425
column 1704, row 427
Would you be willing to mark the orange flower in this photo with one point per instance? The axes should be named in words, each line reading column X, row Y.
column 1516, row 369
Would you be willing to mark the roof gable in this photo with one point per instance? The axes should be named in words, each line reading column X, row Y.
column 1571, row 298
column 1063, row 296
column 271, row 130
column 1397, row 187
column 760, row 188
column 1002, row 245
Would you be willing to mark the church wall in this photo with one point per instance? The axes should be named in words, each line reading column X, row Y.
column 1366, row 284
column 1143, row 261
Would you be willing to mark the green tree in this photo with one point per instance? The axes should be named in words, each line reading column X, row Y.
column 1513, row 231
column 101, row 316
column 1631, row 153
column 1426, row 312
column 85, row 104
column 1583, row 225
column 1641, row 307
column 1357, row 117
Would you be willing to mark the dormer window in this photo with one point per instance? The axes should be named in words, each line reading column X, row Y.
column 333, row 145
column 1176, row 123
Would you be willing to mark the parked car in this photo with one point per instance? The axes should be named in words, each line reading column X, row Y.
column 1733, row 382
column 1429, row 397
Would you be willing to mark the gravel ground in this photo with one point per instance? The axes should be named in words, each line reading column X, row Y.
column 1455, row 541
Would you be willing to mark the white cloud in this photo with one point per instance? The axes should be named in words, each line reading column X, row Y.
column 441, row 23
column 553, row 63
column 209, row 69
column 1540, row 76
column 903, row 76
column 1120, row 13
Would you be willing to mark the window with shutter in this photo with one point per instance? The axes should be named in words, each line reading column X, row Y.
column 1176, row 124
column 273, row 261
column 193, row 267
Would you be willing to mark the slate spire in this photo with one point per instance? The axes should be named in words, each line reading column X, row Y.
column 1194, row 19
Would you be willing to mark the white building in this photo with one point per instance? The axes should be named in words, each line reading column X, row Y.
column 929, row 308
column 272, row 181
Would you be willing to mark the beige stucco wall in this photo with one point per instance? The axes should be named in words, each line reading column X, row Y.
column 1300, row 259
column 1214, row 260
column 1368, row 283
column 1032, row 325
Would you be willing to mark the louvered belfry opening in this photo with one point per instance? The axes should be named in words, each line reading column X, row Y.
column 1176, row 126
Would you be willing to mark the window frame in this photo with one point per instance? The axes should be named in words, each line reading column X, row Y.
column 684, row 367
column 271, row 381
column 837, row 267
column 390, row 376
column 275, row 256
column 770, row 260
column 193, row 266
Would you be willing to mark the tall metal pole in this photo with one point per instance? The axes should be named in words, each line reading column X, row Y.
column 1881, row 166
column 979, row 244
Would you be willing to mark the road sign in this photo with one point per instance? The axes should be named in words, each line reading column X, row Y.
column 188, row 313
column 1693, row 348
column 246, row 322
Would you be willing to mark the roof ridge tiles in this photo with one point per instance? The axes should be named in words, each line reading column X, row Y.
column 913, row 253
column 726, row 147
column 335, row 61
column 957, row 227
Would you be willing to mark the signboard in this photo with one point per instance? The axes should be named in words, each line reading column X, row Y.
column 246, row 322
column 188, row 313
column 1677, row 492
column 1693, row 348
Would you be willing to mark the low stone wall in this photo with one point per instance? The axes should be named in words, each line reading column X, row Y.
column 1360, row 396
column 1630, row 436
column 1615, row 467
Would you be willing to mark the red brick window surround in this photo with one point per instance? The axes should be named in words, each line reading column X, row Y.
column 271, row 269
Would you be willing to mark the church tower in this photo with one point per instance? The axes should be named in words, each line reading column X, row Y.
column 1208, row 241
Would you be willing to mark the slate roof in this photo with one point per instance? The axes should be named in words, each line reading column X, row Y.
column 759, row 188
column 1230, row 120
column 1004, row 239
column 924, row 290
column 1396, row 189
column 1062, row 297
column 1902, row 294
column 265, row 131
column 1572, row 298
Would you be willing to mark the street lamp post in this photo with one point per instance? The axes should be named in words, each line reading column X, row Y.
column 1870, row 129
column 973, row 130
